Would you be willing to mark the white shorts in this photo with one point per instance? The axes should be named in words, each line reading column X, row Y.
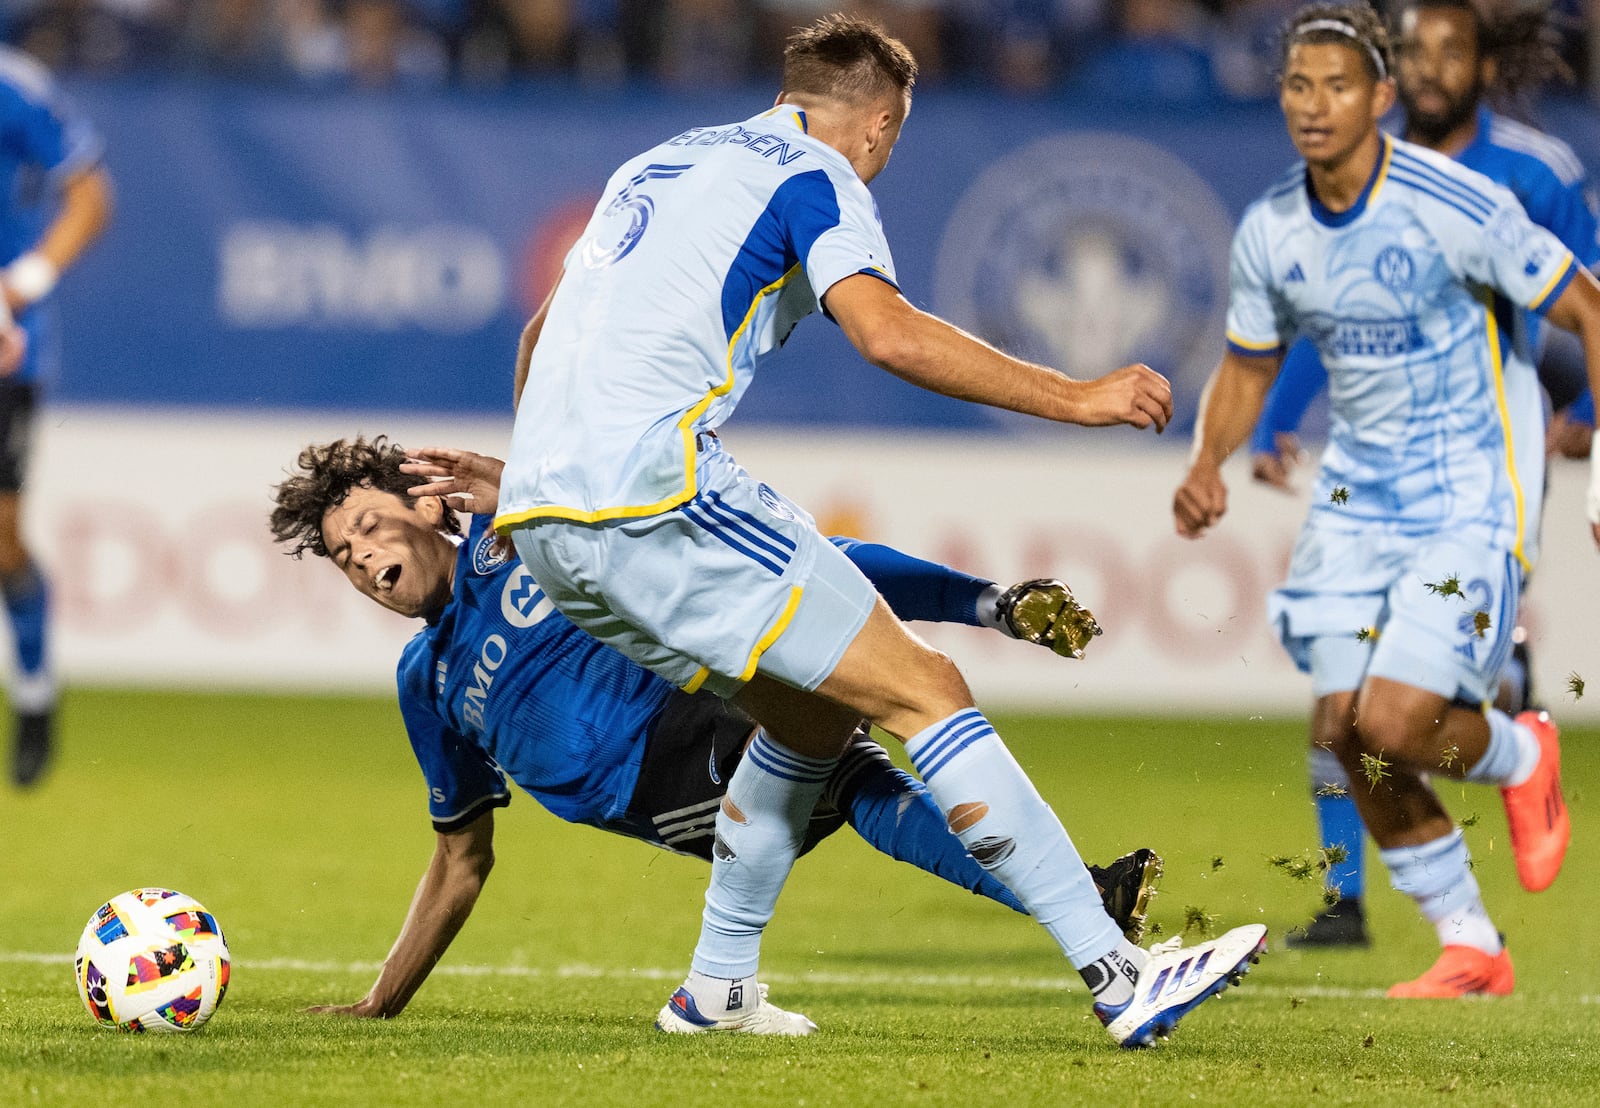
column 736, row 581
column 1341, row 584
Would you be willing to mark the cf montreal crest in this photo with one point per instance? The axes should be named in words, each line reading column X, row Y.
column 485, row 557
column 1087, row 251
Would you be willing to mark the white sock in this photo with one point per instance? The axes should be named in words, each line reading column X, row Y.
column 1437, row 875
column 1512, row 754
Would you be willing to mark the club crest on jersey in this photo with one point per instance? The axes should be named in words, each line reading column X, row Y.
column 1084, row 250
column 486, row 556
column 775, row 503
column 1394, row 268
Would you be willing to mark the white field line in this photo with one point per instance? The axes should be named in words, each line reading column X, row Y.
column 579, row 970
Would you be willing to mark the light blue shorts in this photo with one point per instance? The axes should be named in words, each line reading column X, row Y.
column 1341, row 584
column 736, row 581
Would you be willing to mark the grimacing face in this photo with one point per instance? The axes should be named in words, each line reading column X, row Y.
column 1438, row 70
column 1331, row 103
column 392, row 550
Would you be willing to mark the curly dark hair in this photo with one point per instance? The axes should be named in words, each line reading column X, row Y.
column 1369, row 36
column 1521, row 38
column 847, row 57
column 326, row 475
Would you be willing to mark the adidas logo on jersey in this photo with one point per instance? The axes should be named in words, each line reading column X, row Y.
column 1295, row 274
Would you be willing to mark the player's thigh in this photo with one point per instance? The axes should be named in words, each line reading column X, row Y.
column 1449, row 620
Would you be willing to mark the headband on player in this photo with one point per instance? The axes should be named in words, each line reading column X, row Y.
column 1341, row 28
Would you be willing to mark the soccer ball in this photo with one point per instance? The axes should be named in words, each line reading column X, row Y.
column 152, row 960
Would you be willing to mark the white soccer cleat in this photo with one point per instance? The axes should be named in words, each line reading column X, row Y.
column 680, row 1016
column 1178, row 978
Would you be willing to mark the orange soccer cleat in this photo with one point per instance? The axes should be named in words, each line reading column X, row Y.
column 1536, row 812
column 1461, row 971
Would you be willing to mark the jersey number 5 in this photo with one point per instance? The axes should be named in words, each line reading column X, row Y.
column 636, row 206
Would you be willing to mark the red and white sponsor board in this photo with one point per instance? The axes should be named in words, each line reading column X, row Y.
column 153, row 527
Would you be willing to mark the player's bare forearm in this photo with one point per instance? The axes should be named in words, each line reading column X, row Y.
column 1229, row 408
column 525, row 345
column 1578, row 310
column 86, row 203
column 443, row 901
column 940, row 357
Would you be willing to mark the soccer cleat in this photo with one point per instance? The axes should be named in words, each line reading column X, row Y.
column 1126, row 886
column 1461, row 971
column 1043, row 611
column 681, row 1016
column 1176, row 979
column 33, row 748
column 1342, row 923
column 1539, row 824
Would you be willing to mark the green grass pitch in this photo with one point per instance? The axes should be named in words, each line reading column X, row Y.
column 301, row 823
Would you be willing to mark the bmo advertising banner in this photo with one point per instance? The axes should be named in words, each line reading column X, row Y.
column 293, row 265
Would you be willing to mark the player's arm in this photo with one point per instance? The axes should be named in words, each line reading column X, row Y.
column 443, row 901
column 84, row 215
column 525, row 345
column 935, row 355
column 1229, row 408
column 1274, row 446
column 1577, row 309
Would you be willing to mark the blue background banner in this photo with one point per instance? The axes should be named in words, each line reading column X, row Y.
column 281, row 249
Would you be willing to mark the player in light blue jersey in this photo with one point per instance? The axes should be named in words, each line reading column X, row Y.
column 1450, row 56
column 57, row 201
column 501, row 686
column 1405, row 269
column 701, row 256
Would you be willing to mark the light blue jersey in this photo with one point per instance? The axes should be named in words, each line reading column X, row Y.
column 1411, row 299
column 43, row 141
column 701, row 256
column 1547, row 179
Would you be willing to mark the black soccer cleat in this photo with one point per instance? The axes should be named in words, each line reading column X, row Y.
column 1043, row 611
column 1126, row 887
column 33, row 747
column 1342, row 923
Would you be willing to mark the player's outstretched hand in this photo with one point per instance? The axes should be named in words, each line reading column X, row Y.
column 13, row 345
column 468, row 482
column 1274, row 467
column 1135, row 394
column 1200, row 501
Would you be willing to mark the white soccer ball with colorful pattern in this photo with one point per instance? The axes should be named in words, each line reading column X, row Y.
column 152, row 960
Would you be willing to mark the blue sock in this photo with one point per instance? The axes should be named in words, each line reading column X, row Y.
column 1340, row 823
column 760, row 826
column 893, row 811
column 915, row 589
column 27, row 600
column 1005, row 824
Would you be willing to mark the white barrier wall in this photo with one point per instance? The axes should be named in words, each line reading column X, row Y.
column 153, row 525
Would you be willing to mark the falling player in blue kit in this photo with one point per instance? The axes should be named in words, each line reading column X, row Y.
column 57, row 201
column 500, row 685
column 1405, row 269
column 1450, row 56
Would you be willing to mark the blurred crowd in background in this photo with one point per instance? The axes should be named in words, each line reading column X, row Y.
column 1170, row 51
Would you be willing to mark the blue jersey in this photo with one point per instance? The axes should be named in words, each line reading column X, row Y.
column 1410, row 298
column 1547, row 179
column 504, row 683
column 43, row 141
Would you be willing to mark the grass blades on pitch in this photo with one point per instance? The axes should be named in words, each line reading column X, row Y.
column 300, row 822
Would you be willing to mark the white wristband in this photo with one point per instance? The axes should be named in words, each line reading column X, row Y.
column 1594, row 479
column 31, row 277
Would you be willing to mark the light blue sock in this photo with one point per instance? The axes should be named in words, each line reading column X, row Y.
column 772, row 795
column 1512, row 754
column 1005, row 824
column 1339, row 821
column 1438, row 876
column 893, row 811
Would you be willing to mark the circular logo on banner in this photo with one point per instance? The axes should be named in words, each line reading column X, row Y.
column 1087, row 251
column 522, row 602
